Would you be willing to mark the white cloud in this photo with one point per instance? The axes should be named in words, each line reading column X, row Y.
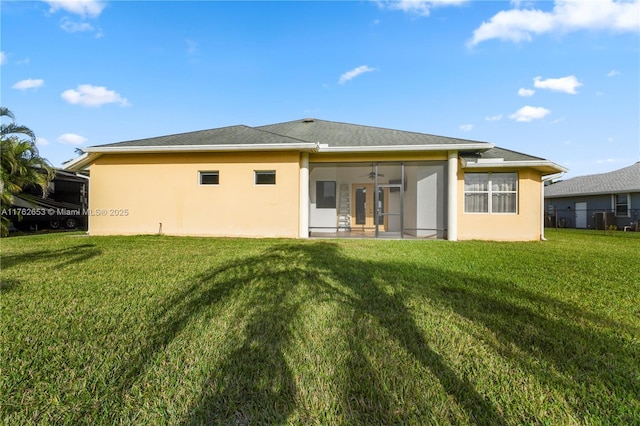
column 418, row 7
column 564, row 84
column 349, row 75
column 93, row 96
column 84, row 8
column 28, row 84
column 41, row 141
column 526, row 92
column 75, row 27
column 466, row 127
column 71, row 139
column 567, row 15
column 494, row 118
column 613, row 73
column 3, row 58
column 529, row 113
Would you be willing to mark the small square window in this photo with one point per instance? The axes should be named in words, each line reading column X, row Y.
column 209, row 178
column 265, row 177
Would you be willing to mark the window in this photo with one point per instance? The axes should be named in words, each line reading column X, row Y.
column 326, row 194
column 265, row 177
column 622, row 204
column 490, row 192
column 209, row 178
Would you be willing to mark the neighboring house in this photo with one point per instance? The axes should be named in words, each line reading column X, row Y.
column 595, row 201
column 64, row 206
column 315, row 178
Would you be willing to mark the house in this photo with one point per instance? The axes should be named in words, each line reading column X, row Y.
column 314, row 178
column 64, row 205
column 595, row 201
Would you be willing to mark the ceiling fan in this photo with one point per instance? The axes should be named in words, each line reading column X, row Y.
column 372, row 174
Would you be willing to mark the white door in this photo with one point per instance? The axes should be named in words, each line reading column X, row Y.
column 581, row 215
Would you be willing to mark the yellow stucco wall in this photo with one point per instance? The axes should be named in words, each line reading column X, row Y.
column 152, row 193
column 523, row 226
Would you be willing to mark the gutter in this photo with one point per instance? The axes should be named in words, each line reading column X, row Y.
column 79, row 163
column 92, row 153
column 501, row 163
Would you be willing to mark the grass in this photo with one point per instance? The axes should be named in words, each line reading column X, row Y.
column 167, row 330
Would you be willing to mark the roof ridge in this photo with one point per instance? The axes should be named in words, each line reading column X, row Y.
column 605, row 173
column 378, row 128
column 281, row 135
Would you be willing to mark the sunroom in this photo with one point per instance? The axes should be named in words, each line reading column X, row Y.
column 384, row 199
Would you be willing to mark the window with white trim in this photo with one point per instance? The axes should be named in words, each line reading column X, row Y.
column 622, row 204
column 209, row 177
column 264, row 177
column 490, row 192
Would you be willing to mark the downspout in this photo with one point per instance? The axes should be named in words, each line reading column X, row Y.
column 542, row 210
column 452, row 196
column 304, row 196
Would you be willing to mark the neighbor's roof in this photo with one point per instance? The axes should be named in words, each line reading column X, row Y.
column 615, row 182
column 313, row 135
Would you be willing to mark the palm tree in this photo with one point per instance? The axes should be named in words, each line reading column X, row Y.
column 21, row 164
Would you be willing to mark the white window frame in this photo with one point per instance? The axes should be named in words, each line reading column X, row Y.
column 202, row 173
column 615, row 204
column 258, row 172
column 490, row 192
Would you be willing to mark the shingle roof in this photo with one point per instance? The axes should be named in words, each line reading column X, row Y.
column 232, row 135
column 615, row 182
column 506, row 154
column 312, row 135
column 316, row 131
column 354, row 135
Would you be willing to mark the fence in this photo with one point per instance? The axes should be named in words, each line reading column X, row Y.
column 591, row 219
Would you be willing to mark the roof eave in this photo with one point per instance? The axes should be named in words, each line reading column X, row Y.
column 81, row 162
column 546, row 167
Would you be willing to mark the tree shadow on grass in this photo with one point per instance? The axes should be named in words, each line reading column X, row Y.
column 265, row 294
column 562, row 347
column 60, row 257
column 255, row 385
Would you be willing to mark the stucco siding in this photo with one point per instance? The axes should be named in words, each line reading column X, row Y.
column 161, row 193
column 525, row 225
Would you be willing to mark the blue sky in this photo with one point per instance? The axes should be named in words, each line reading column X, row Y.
column 560, row 80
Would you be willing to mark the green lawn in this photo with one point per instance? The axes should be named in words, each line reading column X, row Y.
column 167, row 330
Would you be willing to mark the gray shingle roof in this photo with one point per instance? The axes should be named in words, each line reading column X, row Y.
column 506, row 154
column 314, row 131
column 315, row 136
column 615, row 182
column 232, row 135
column 354, row 135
